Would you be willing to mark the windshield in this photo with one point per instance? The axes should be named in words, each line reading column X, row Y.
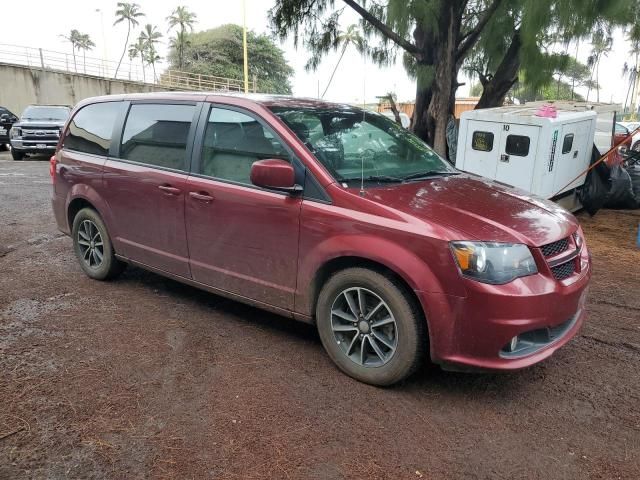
column 354, row 144
column 46, row 113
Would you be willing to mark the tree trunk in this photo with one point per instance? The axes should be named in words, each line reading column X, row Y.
column 434, row 100
column 496, row 89
column 344, row 49
column 126, row 42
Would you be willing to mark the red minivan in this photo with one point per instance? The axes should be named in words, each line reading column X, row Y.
column 328, row 214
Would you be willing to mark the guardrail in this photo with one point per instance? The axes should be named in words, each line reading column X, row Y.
column 130, row 70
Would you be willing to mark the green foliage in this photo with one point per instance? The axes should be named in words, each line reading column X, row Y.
column 183, row 19
column 219, row 52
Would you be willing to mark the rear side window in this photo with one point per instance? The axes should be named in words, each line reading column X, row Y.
column 567, row 143
column 156, row 135
column 517, row 145
column 482, row 141
column 233, row 141
column 91, row 128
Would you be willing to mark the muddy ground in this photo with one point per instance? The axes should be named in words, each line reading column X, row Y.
column 145, row 377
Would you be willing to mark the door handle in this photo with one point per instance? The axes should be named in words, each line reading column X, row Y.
column 169, row 190
column 504, row 158
column 203, row 197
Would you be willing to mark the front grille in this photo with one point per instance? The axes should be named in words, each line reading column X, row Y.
column 35, row 134
column 560, row 272
column 555, row 248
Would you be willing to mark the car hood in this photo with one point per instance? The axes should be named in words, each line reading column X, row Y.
column 39, row 123
column 479, row 209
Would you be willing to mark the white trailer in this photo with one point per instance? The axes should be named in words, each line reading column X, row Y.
column 541, row 155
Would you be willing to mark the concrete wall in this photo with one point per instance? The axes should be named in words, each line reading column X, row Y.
column 21, row 86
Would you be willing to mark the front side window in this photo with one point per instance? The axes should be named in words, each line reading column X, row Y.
column 91, row 128
column 233, row 141
column 156, row 134
column 354, row 144
column 518, row 145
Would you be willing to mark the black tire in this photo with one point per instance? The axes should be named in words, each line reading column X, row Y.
column 3, row 147
column 16, row 155
column 86, row 222
column 409, row 327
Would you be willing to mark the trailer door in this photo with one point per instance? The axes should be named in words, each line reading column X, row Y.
column 573, row 155
column 517, row 156
column 482, row 148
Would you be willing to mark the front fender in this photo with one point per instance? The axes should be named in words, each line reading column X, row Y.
column 397, row 258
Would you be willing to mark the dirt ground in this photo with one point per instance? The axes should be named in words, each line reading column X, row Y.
column 145, row 377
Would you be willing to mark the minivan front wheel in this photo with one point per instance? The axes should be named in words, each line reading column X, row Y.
column 93, row 247
column 370, row 327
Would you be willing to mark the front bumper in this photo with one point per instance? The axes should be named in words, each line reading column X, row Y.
column 471, row 333
column 34, row 146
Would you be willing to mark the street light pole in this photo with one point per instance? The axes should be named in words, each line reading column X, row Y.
column 104, row 43
column 244, row 46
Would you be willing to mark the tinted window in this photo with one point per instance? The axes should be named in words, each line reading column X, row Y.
column 157, row 135
column 482, row 141
column 567, row 144
column 233, row 141
column 91, row 128
column 517, row 145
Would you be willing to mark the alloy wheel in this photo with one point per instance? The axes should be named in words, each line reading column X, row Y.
column 364, row 327
column 90, row 244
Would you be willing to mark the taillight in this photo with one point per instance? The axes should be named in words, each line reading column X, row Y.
column 52, row 168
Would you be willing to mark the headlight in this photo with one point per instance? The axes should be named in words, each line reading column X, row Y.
column 494, row 263
column 578, row 239
column 15, row 132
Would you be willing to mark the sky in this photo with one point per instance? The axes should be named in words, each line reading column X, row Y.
column 39, row 23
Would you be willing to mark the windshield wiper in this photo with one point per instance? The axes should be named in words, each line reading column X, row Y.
column 374, row 178
column 428, row 174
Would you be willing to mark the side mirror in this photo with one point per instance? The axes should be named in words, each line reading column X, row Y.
column 274, row 174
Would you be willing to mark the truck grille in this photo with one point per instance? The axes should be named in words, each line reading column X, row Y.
column 555, row 248
column 40, row 134
column 560, row 272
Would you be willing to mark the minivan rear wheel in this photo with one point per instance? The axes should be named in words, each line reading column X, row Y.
column 93, row 248
column 370, row 327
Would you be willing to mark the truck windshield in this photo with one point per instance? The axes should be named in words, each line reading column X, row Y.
column 354, row 144
column 45, row 113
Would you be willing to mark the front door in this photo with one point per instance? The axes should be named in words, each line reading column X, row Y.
column 242, row 239
column 517, row 155
column 145, row 187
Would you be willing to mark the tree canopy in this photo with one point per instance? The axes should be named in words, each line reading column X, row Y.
column 496, row 38
column 218, row 52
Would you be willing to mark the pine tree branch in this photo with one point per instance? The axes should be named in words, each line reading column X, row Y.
column 383, row 28
column 469, row 39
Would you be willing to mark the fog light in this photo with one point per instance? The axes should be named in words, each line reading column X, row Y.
column 513, row 344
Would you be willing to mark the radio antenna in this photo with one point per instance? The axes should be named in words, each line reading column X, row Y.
column 364, row 106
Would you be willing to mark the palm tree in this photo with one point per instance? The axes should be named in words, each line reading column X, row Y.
column 601, row 45
column 184, row 19
column 137, row 50
column 150, row 36
column 128, row 12
column 85, row 43
column 351, row 37
column 74, row 38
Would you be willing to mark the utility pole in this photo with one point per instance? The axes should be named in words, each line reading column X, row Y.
column 244, row 46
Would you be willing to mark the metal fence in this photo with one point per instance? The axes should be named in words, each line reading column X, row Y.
column 129, row 70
